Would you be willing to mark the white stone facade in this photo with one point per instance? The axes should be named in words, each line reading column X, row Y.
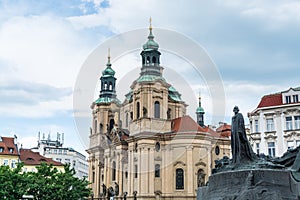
column 56, row 151
column 275, row 123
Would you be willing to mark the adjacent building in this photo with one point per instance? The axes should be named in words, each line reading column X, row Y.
column 9, row 154
column 54, row 149
column 32, row 159
column 275, row 123
column 147, row 147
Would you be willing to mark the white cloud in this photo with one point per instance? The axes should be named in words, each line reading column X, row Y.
column 42, row 49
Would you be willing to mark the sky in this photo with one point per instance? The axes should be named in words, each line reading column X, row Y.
column 254, row 45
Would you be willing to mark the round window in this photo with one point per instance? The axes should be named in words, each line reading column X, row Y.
column 157, row 146
column 217, row 150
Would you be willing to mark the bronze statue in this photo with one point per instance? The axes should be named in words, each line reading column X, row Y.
column 104, row 189
column 240, row 147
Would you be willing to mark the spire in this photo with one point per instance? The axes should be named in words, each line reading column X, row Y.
column 108, row 71
column 150, row 26
column 151, row 44
column 200, row 113
column 199, row 100
column 108, row 58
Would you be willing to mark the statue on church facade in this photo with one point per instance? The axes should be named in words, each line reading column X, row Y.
column 240, row 147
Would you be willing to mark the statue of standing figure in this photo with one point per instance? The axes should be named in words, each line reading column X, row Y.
column 240, row 147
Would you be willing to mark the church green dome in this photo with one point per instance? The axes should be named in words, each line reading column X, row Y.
column 199, row 110
column 108, row 71
column 150, row 44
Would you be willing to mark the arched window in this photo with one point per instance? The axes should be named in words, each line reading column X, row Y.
column 138, row 110
column 143, row 60
column 179, row 179
column 148, row 60
column 111, row 124
column 105, row 85
column 110, row 86
column 113, row 175
column 153, row 59
column 126, row 120
column 200, row 178
column 169, row 113
column 156, row 109
column 101, row 128
column 95, row 126
column 157, row 171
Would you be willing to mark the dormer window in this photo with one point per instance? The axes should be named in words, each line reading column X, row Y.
column 11, row 150
column 295, row 98
column 1, row 149
column 287, row 99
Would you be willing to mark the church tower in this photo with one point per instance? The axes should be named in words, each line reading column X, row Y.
column 152, row 102
column 105, row 117
column 200, row 114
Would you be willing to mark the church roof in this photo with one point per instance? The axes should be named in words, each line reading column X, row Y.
column 107, row 100
column 185, row 124
column 29, row 157
column 148, row 78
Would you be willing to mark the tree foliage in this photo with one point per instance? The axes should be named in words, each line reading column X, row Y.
column 46, row 184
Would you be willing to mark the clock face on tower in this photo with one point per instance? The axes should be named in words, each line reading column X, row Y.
column 157, row 146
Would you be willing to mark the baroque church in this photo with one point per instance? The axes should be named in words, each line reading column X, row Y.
column 147, row 147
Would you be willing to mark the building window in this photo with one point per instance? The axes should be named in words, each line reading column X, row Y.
column 270, row 124
column 95, row 131
column 297, row 122
column 288, row 123
column 5, row 162
column 157, row 146
column 217, row 150
column 295, row 99
column 135, row 171
column 55, row 151
column 13, row 164
column 200, row 178
column 257, row 148
column 297, row 143
column 101, row 128
column 113, row 175
column 126, row 120
column 271, row 149
column 156, row 109
column 256, row 126
column 11, row 150
column 157, row 171
column 1, row 149
column 93, row 177
column 138, row 110
column 290, row 144
column 126, row 174
column 287, row 99
column 179, row 179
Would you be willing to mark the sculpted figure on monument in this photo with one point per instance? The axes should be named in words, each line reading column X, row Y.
column 240, row 147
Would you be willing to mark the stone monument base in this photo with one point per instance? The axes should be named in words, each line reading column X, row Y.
column 251, row 184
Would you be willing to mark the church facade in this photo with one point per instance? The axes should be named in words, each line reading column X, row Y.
column 147, row 147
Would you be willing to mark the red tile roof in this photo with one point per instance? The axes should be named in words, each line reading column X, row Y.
column 224, row 130
column 8, row 146
column 270, row 100
column 186, row 124
column 29, row 157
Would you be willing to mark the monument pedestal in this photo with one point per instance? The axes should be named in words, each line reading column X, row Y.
column 251, row 184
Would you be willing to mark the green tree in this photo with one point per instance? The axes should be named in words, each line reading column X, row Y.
column 50, row 184
column 13, row 183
